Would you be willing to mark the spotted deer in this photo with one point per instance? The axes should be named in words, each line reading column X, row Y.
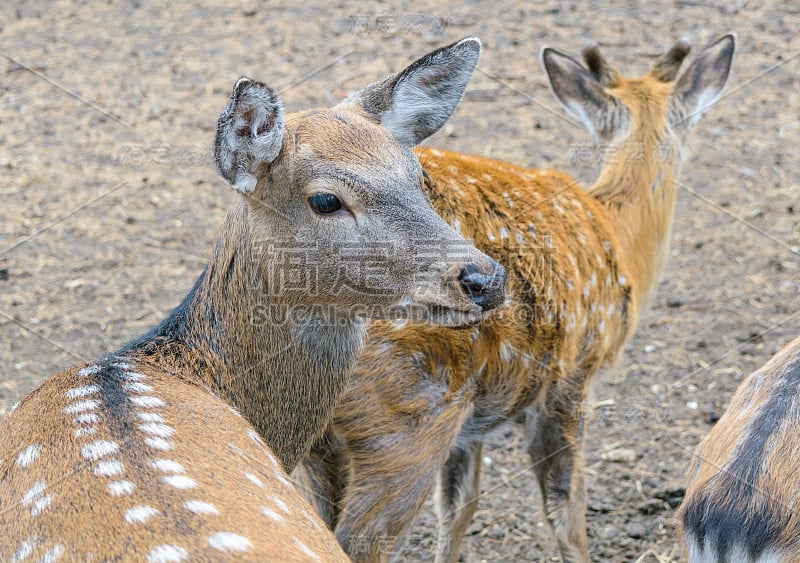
column 581, row 264
column 742, row 492
column 177, row 445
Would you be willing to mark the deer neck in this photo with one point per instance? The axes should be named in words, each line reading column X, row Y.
column 232, row 335
column 637, row 186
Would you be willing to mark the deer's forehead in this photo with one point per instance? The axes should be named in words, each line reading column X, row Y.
column 347, row 147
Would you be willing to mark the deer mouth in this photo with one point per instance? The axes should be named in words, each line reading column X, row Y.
column 451, row 317
column 457, row 318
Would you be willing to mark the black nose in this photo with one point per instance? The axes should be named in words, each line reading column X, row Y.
column 485, row 290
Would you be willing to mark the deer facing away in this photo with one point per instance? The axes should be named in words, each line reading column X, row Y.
column 176, row 446
column 580, row 263
column 742, row 494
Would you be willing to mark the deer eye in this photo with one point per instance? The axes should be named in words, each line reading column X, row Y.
column 324, row 203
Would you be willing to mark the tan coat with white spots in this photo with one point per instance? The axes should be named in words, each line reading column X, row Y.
column 155, row 452
column 580, row 266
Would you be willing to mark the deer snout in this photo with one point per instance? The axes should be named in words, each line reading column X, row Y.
column 487, row 291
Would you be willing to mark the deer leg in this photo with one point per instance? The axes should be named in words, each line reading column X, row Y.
column 555, row 445
column 391, row 470
column 458, row 489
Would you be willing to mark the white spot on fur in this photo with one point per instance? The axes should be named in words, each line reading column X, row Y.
column 146, row 401
column 109, row 468
column 157, row 429
column 33, row 493
column 136, row 387
column 167, row 466
column 257, row 439
column 139, row 514
column 226, row 541
column 520, row 237
column 280, row 477
column 167, row 554
column 28, row 456
column 82, row 406
column 180, row 481
column 26, row 549
column 503, row 233
column 621, row 280
column 237, row 450
column 305, row 549
column 255, row 480
column 506, row 352
column 133, row 377
column 271, row 514
column 149, row 417
column 79, row 392
column 280, row 504
column 88, row 418
column 41, row 504
column 90, row 370
column 98, row 449
column 121, row 488
column 200, row 507
column 158, row 444
column 456, row 226
column 52, row 555
column 490, row 236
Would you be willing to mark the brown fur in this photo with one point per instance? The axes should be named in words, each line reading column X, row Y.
column 581, row 265
column 156, row 452
column 742, row 491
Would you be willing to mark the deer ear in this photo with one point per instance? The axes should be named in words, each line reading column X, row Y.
column 581, row 95
column 249, row 132
column 416, row 102
column 701, row 85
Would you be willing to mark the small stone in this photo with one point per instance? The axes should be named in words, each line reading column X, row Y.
column 692, row 405
column 650, row 348
column 635, row 530
column 622, row 455
column 608, row 531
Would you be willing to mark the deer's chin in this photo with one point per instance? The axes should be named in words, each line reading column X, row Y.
column 441, row 315
column 458, row 319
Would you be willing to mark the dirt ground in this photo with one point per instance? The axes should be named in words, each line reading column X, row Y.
column 110, row 203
